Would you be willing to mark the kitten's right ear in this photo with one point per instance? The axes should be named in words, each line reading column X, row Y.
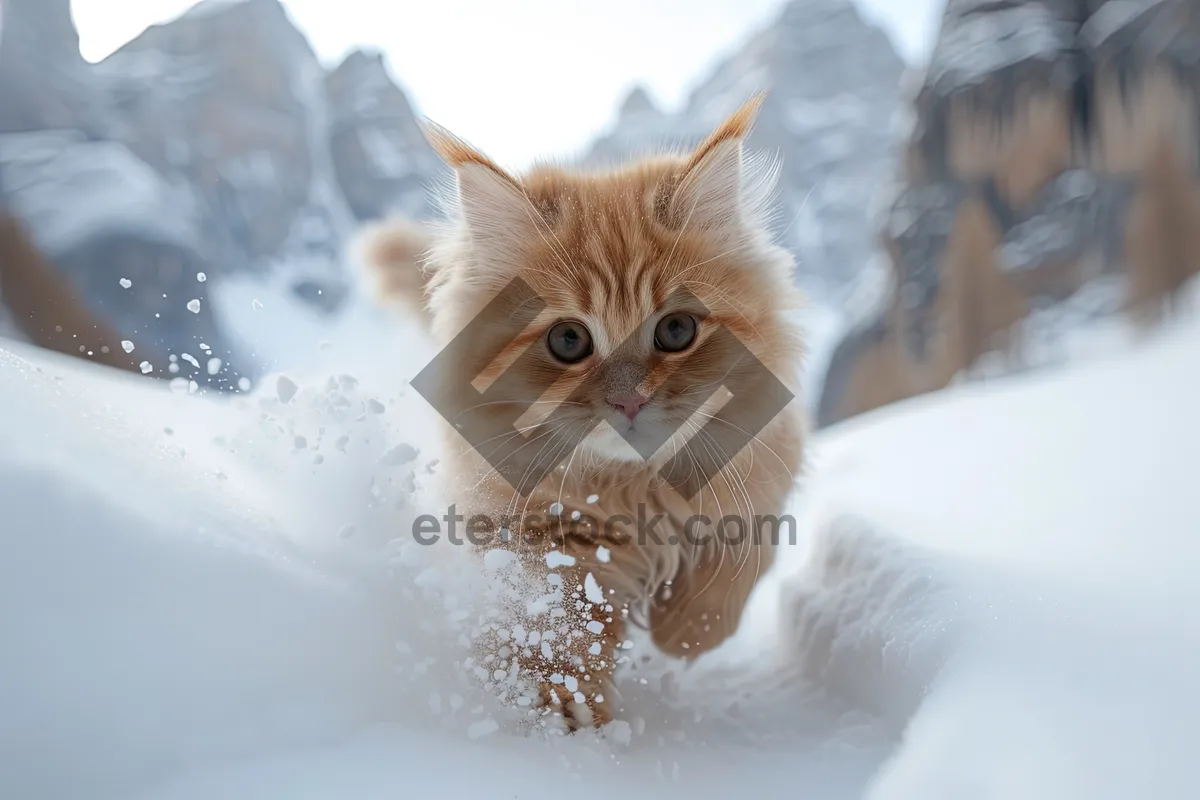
column 709, row 191
column 494, row 205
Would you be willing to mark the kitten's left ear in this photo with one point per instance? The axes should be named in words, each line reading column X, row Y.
column 494, row 204
column 709, row 192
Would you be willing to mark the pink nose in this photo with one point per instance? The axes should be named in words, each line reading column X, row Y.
column 628, row 404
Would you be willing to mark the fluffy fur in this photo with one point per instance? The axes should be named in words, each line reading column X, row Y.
column 610, row 249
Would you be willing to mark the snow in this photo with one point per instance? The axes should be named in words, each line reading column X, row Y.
column 70, row 189
column 993, row 598
column 1037, row 612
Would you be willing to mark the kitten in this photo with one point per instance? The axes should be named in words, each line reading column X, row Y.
column 659, row 285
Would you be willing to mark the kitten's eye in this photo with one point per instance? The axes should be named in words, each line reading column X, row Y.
column 675, row 332
column 569, row 342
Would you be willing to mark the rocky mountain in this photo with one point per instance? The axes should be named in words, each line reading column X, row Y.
column 218, row 145
column 1051, row 174
column 211, row 145
column 833, row 115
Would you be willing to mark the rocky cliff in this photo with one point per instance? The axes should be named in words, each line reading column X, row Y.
column 1056, row 145
column 211, row 145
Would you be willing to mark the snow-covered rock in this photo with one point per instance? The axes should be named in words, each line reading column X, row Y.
column 288, row 156
column 44, row 80
column 72, row 191
column 231, row 148
column 228, row 109
column 382, row 160
column 97, row 213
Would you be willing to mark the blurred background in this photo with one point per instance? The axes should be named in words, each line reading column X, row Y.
column 971, row 188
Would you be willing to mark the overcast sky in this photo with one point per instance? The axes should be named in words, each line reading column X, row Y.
column 522, row 78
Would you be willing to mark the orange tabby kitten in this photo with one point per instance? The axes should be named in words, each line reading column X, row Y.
column 642, row 291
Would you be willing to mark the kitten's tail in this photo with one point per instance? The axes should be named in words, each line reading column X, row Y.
column 392, row 255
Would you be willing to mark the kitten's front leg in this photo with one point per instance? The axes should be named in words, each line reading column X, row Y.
column 576, row 678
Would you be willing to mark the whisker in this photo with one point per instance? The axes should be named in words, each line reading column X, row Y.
column 517, row 402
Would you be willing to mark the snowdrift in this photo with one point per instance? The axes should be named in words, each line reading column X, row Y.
column 991, row 597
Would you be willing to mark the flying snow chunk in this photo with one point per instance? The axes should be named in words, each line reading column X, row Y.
column 575, row 515
column 556, row 509
column 595, row 626
column 571, row 682
column 603, row 555
column 193, row 306
column 285, row 389
column 591, row 589
column 400, row 455
column 256, row 305
column 127, row 346
column 200, row 276
column 146, row 367
column 125, row 283
column 556, row 559
column 621, row 732
column 482, row 728
column 191, row 359
column 214, row 366
column 244, row 384
column 592, row 498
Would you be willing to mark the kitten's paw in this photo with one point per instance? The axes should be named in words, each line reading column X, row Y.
column 580, row 704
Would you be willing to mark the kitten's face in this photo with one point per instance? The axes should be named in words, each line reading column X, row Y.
column 660, row 298
column 640, row 340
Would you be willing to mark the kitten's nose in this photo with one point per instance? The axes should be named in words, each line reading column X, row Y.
column 628, row 404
